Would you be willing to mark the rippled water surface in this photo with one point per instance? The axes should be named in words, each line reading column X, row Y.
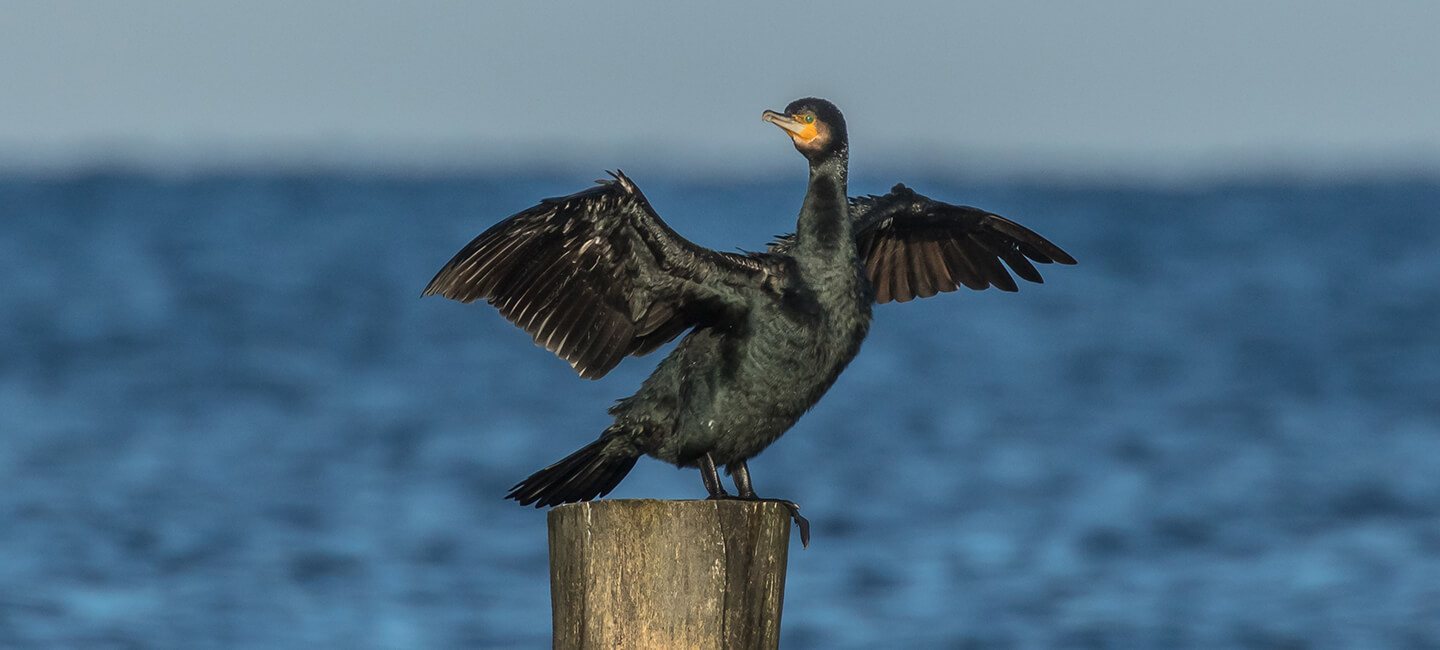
column 227, row 420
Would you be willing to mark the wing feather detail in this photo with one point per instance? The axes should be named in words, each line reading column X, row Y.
column 916, row 247
column 596, row 276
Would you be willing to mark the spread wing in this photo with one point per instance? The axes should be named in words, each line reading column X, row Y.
column 914, row 246
column 596, row 276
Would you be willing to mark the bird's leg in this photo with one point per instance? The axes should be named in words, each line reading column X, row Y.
column 711, row 477
column 740, row 472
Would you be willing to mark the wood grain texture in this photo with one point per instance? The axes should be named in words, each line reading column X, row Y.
column 646, row 573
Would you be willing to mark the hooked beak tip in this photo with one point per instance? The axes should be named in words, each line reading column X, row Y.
column 781, row 120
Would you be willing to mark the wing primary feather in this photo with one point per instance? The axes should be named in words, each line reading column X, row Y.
column 487, row 277
column 932, row 267
column 922, row 281
column 899, row 270
column 1018, row 262
column 498, row 262
column 560, row 319
column 1030, row 243
column 593, row 357
column 880, row 270
column 990, row 266
column 961, row 266
column 579, row 332
column 998, row 249
column 540, row 294
column 476, row 267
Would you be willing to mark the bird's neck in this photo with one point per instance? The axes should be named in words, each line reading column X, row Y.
column 825, row 216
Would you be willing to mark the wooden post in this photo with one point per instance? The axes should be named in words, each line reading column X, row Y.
column 646, row 573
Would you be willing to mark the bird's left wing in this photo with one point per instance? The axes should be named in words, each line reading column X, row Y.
column 914, row 246
column 596, row 276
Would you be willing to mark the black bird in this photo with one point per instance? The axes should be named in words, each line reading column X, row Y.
column 597, row 276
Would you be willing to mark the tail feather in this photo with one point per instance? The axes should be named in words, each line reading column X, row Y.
column 590, row 473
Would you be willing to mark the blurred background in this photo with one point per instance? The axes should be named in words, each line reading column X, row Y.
column 227, row 420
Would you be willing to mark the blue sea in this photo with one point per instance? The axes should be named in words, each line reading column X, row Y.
column 228, row 420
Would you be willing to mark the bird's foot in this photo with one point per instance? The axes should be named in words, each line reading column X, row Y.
column 800, row 522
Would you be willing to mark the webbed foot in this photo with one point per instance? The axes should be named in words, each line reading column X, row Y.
column 741, row 473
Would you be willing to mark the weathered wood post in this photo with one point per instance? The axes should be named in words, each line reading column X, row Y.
column 646, row 573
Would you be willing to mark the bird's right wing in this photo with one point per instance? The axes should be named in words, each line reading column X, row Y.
column 596, row 276
column 914, row 246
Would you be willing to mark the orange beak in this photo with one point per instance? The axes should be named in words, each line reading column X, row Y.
column 795, row 125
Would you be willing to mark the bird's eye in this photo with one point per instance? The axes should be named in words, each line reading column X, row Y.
column 809, row 119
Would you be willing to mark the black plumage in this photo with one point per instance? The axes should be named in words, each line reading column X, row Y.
column 597, row 276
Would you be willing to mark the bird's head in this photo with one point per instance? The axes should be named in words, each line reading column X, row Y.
column 816, row 126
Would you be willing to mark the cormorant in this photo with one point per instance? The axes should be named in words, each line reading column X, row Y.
column 597, row 276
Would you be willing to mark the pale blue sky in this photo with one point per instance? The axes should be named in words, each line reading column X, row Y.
column 1107, row 85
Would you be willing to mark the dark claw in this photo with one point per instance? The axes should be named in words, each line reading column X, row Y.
column 800, row 522
column 741, row 474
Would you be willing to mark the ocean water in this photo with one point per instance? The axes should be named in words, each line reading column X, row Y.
column 227, row 420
